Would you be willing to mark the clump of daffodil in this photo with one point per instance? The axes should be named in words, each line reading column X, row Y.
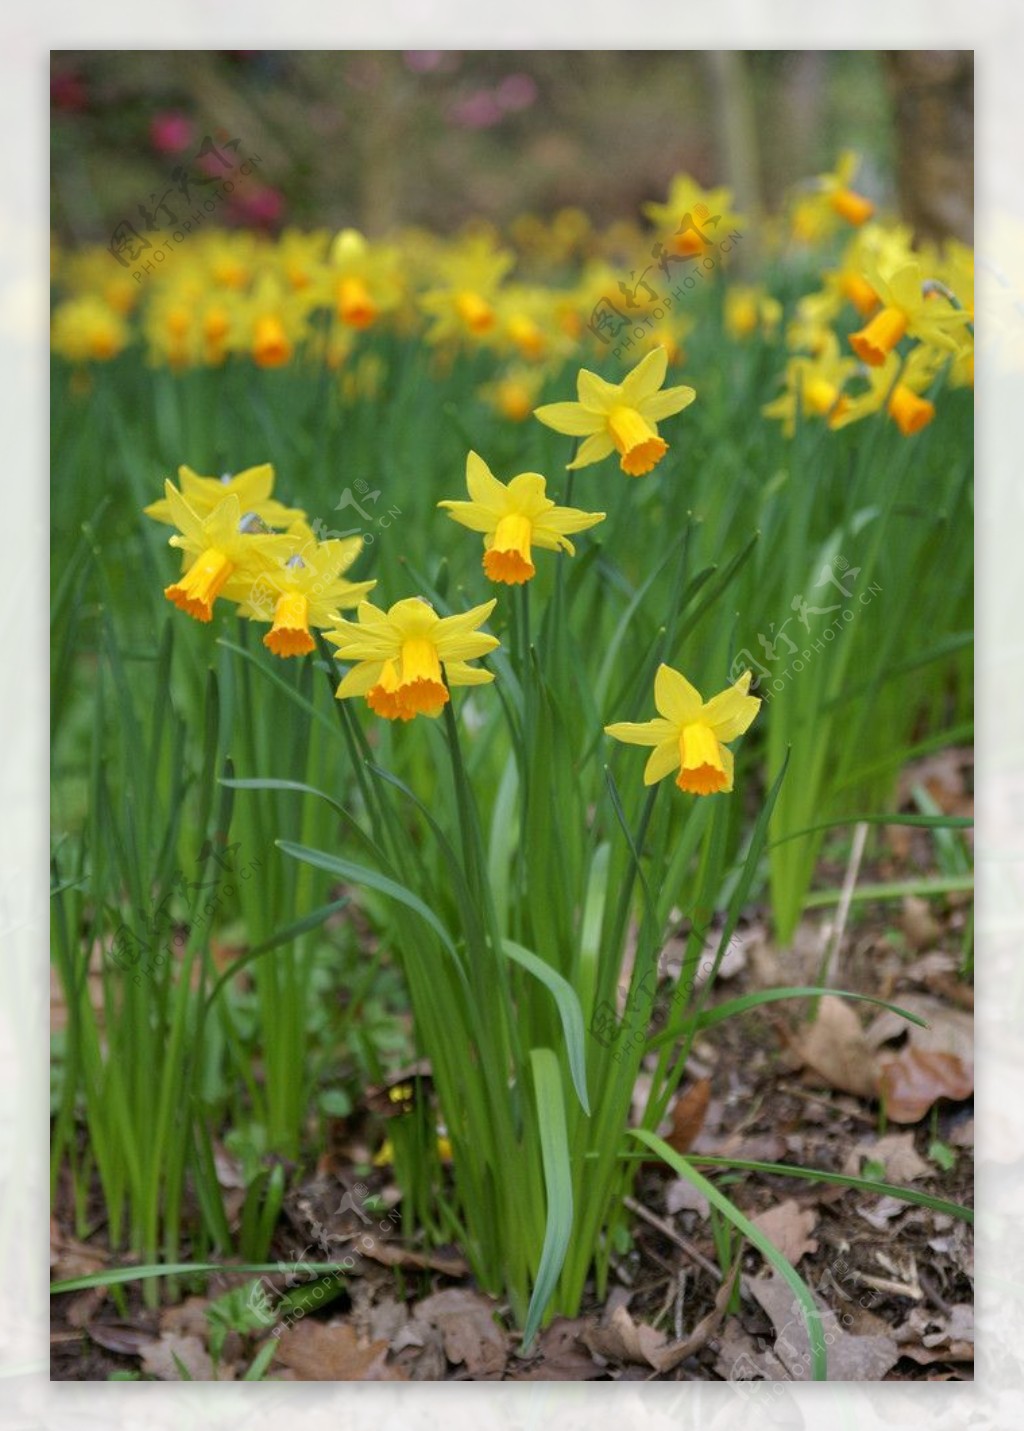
column 693, row 220
column 515, row 518
column 513, row 394
column 407, row 657
column 815, row 384
column 898, row 385
column 691, row 735
column 815, row 214
column 252, row 488
column 365, row 279
column 620, row 417
column 271, row 322
column 307, row 590
column 748, row 310
column 225, row 554
column 910, row 308
column 463, row 298
column 88, row 330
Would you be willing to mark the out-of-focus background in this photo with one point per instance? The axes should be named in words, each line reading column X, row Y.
column 376, row 139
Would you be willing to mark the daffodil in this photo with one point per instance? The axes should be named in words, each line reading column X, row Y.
column 366, row 279
column 691, row 735
column 815, row 214
column 910, row 308
column 252, row 488
column 224, row 555
column 898, row 385
column 407, row 657
column 815, row 385
column 88, row 329
column 307, row 590
column 699, row 218
column 514, row 518
column 620, row 417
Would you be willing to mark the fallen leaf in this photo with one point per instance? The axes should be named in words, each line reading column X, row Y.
column 896, row 1153
column 881, row 1212
column 619, row 1338
column 688, row 1116
column 919, row 924
column 471, row 1336
column 835, row 1048
column 315, row 1352
column 161, row 1359
column 669, row 1357
column 682, row 1196
column 916, row 1078
column 560, row 1355
column 850, row 1358
column 391, row 1254
column 121, row 1338
column 789, row 1227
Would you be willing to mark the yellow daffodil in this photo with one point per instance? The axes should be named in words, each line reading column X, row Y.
column 815, row 214
column 252, row 488
column 88, row 329
column 308, row 590
column 513, row 394
column 815, row 385
column 514, row 519
column 910, row 308
column 898, row 385
column 620, row 417
column 748, row 310
column 366, row 279
column 407, row 657
column 695, row 219
column 691, row 735
column 224, row 555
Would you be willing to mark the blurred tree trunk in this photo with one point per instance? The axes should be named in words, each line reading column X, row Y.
column 736, row 127
column 933, row 115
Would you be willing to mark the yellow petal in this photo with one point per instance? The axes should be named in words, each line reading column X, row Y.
column 731, row 711
column 595, row 393
column 663, row 760
column 666, row 404
column 675, row 698
column 568, row 417
column 483, row 486
column 594, row 449
column 646, row 378
column 650, row 732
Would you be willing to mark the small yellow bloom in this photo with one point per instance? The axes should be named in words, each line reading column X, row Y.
column 910, row 308
column 407, row 657
column 620, row 417
column 691, row 734
column 307, row 591
column 222, row 556
column 514, row 519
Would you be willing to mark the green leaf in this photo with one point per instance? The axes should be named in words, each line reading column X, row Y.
column 754, row 1235
column 554, row 1147
column 568, row 1008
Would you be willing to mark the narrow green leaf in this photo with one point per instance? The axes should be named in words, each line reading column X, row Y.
column 568, row 1008
column 554, row 1147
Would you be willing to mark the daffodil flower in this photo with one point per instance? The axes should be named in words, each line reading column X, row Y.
column 620, row 417
column 691, row 734
column 407, row 657
column 252, row 488
column 514, row 518
column 223, row 556
column 908, row 309
column 308, row 590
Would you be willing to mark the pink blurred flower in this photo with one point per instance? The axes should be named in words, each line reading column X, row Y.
column 421, row 62
column 259, row 208
column 170, row 132
column 479, row 110
column 67, row 90
column 516, row 91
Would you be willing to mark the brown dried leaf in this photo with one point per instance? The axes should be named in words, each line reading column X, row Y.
column 688, row 1116
column 465, row 1320
column 916, row 1078
column 314, row 1352
column 896, row 1153
column 560, row 1355
column 789, row 1227
column 390, row 1254
column 158, row 1359
column 850, row 1358
column 835, row 1048
column 619, row 1338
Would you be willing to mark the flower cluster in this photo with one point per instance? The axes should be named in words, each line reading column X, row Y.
column 240, row 544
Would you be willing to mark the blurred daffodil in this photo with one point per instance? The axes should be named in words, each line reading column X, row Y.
column 691, row 735
column 514, row 518
column 910, row 308
column 620, row 417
